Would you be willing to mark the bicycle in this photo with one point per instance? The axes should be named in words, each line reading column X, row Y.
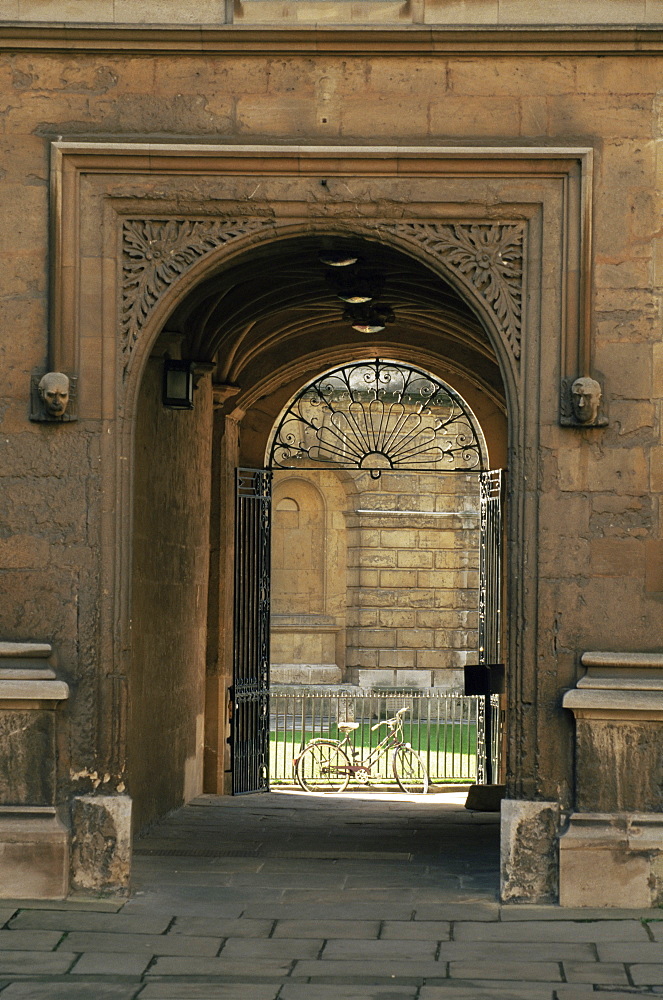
column 324, row 765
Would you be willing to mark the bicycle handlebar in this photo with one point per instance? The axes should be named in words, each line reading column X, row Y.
column 391, row 722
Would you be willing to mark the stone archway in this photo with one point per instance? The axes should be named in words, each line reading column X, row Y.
column 432, row 203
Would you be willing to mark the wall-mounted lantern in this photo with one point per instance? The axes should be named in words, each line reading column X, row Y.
column 178, row 379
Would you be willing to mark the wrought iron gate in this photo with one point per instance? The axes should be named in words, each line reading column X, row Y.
column 250, row 690
column 490, row 591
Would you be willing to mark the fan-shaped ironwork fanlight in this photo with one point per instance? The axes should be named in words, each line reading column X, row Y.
column 378, row 415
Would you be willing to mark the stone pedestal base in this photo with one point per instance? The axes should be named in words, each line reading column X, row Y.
column 612, row 859
column 528, row 861
column 34, row 854
column 101, row 843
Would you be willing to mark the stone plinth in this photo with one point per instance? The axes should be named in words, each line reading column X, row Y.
column 609, row 859
column 612, row 851
column 34, row 844
column 34, row 853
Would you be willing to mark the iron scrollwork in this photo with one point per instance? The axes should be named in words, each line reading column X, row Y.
column 377, row 416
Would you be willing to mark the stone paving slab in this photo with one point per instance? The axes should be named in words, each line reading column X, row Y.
column 630, row 951
column 323, row 991
column 172, row 965
column 407, row 951
column 521, row 911
column 492, row 991
column 71, row 991
column 536, row 971
column 366, row 972
column 221, row 928
column 111, row 964
column 73, row 903
column 21, row 963
column 150, row 944
column 601, row 973
column 284, row 949
column 6, row 913
column 64, row 920
column 184, row 904
column 656, row 928
column 568, row 992
column 647, row 975
column 454, row 911
column 11, row 940
column 515, row 951
column 210, row 991
column 336, row 910
column 425, row 930
column 441, row 893
column 356, row 929
column 557, row 930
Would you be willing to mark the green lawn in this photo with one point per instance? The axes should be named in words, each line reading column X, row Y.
column 448, row 749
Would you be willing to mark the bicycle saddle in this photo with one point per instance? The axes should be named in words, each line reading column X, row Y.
column 347, row 726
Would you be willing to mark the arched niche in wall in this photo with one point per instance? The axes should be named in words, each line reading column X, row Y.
column 298, row 548
column 309, row 568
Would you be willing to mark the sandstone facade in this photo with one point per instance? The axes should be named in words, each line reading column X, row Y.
column 164, row 191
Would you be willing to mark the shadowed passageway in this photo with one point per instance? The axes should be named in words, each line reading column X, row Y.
column 332, row 849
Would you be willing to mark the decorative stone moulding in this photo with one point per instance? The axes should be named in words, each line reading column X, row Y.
column 34, row 842
column 612, row 851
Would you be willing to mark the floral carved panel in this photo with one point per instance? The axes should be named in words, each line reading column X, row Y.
column 156, row 253
column 487, row 257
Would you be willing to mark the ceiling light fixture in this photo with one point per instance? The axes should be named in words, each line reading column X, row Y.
column 369, row 318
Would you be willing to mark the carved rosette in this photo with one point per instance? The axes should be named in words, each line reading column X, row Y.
column 486, row 256
column 155, row 253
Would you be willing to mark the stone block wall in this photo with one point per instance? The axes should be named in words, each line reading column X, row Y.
column 376, row 12
column 413, row 552
column 169, row 607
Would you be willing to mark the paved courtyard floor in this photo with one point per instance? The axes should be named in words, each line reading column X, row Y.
column 289, row 896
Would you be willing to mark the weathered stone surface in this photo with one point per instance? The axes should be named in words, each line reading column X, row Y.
column 612, row 859
column 34, row 855
column 619, row 765
column 529, row 851
column 27, row 751
column 101, row 843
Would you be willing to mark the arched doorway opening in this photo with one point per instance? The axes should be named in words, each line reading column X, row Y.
column 420, row 591
column 263, row 325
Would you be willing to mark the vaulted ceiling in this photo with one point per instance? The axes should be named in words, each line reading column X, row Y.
column 272, row 311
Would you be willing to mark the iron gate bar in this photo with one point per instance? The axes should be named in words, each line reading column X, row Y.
column 250, row 690
column 491, row 486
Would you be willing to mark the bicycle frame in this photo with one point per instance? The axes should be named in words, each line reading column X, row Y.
column 390, row 741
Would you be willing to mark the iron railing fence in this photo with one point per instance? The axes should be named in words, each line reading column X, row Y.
column 441, row 727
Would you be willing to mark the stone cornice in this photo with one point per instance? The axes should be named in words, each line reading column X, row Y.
column 360, row 40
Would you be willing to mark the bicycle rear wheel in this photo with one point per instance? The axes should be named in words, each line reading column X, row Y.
column 323, row 767
column 409, row 770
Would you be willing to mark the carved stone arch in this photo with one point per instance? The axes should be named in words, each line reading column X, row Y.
column 164, row 259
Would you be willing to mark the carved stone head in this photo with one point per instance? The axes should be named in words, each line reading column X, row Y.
column 586, row 400
column 54, row 394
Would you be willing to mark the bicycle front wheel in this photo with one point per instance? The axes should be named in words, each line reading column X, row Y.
column 409, row 770
column 323, row 767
